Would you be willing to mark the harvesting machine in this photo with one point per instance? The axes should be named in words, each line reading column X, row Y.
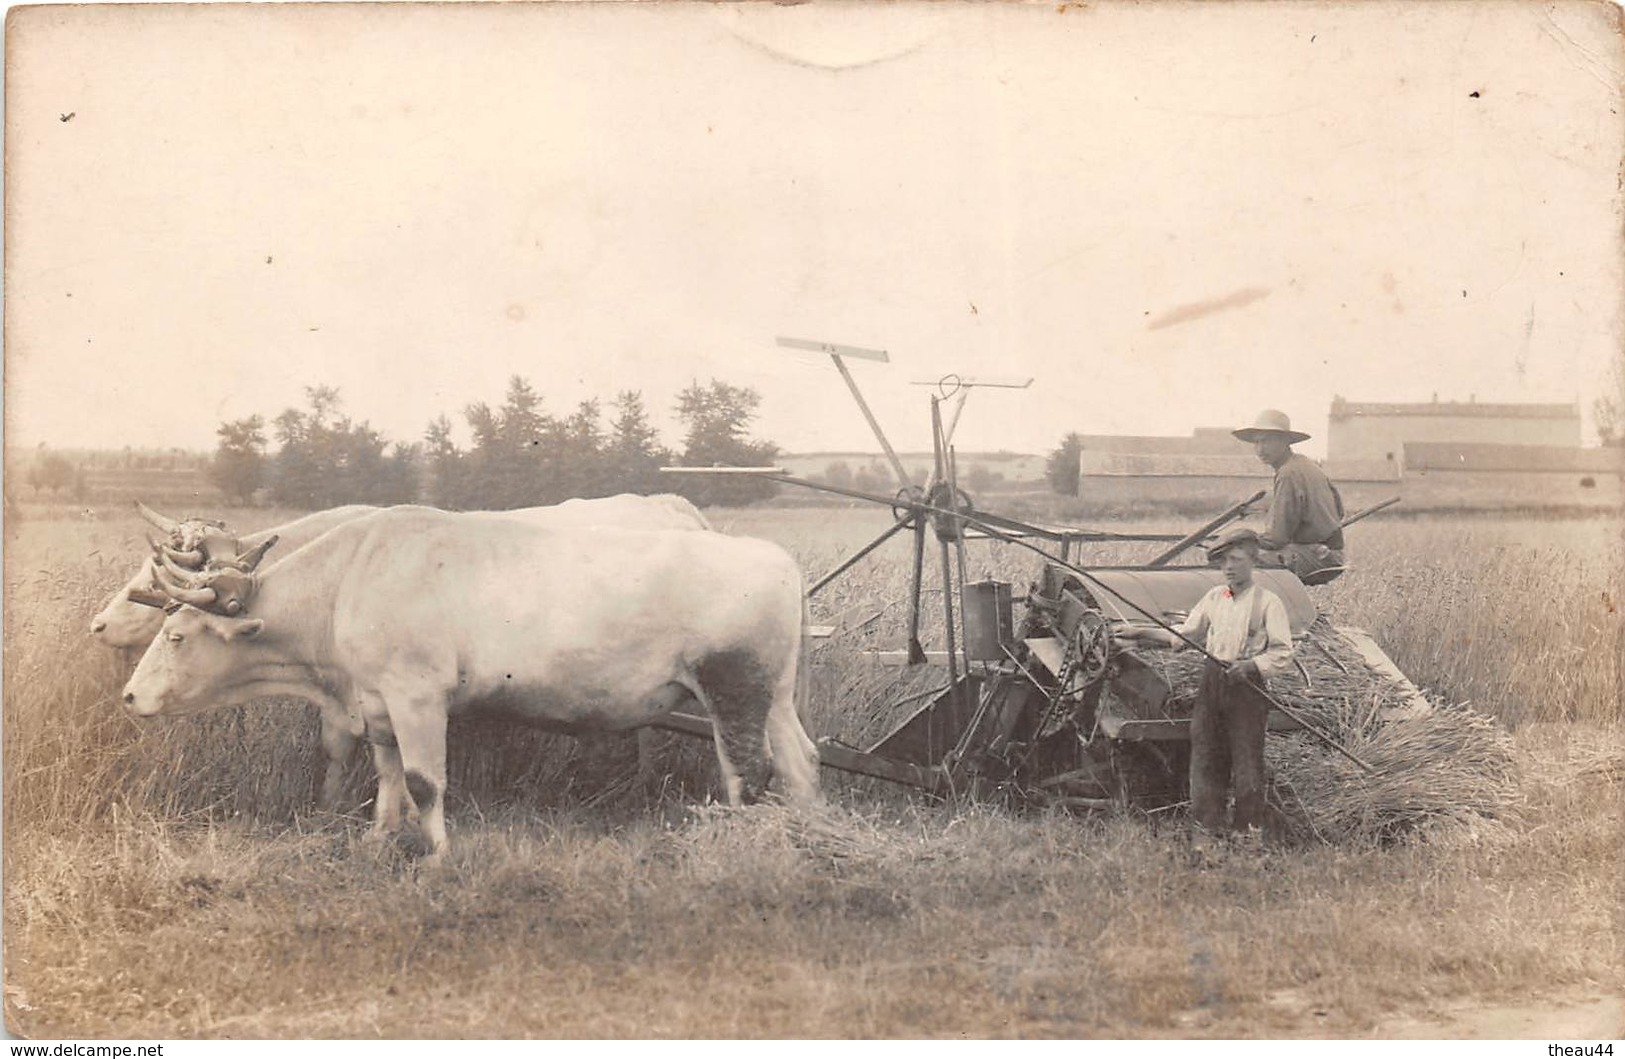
column 1040, row 701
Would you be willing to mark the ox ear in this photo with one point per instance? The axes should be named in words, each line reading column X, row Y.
column 250, row 560
column 229, row 629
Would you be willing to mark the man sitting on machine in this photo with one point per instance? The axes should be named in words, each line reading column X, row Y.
column 1305, row 533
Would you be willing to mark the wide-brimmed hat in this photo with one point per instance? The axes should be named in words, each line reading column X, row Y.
column 1232, row 537
column 1270, row 421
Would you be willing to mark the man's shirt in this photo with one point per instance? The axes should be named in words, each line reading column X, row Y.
column 1232, row 632
column 1305, row 509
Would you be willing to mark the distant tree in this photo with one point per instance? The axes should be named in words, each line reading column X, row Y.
column 524, row 457
column 399, row 477
column 443, row 462
column 293, row 471
column 52, row 471
column 323, row 400
column 1062, row 466
column 981, row 478
column 717, row 418
column 521, row 467
column 352, row 457
column 633, row 451
column 327, row 459
column 1605, row 411
column 582, row 466
column 239, row 458
column 873, row 477
column 484, row 423
column 1608, row 411
column 839, row 474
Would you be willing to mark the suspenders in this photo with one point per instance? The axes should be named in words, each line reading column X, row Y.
column 1255, row 616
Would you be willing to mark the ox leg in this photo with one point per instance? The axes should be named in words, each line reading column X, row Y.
column 337, row 744
column 734, row 686
column 386, row 808
column 795, row 756
column 420, row 730
column 647, row 745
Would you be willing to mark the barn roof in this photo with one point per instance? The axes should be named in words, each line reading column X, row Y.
column 1342, row 409
column 1459, row 456
column 1203, row 441
column 1179, row 464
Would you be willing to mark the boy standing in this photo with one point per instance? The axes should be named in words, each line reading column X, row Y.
column 1247, row 631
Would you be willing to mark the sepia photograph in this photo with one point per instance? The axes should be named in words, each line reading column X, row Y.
column 829, row 520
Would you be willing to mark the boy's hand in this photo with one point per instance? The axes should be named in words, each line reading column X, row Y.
column 1243, row 672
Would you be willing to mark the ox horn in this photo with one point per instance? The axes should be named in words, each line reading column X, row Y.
column 181, row 573
column 168, row 525
column 197, row 597
column 249, row 560
column 191, row 560
column 148, row 598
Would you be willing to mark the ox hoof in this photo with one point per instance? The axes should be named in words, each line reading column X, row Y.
column 377, row 836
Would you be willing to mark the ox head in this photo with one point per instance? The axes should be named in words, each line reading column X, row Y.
column 221, row 585
column 191, row 664
column 193, row 541
column 132, row 616
column 197, row 562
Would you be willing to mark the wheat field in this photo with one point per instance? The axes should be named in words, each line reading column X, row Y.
column 172, row 879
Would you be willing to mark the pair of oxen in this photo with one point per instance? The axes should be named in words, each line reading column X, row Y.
column 594, row 615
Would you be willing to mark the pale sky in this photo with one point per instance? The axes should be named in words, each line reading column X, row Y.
column 1169, row 215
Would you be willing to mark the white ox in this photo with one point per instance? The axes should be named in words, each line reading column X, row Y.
column 125, row 623
column 412, row 615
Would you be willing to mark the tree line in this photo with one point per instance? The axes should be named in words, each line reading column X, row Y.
column 521, row 455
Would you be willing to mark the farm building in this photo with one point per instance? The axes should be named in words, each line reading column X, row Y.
column 1208, row 469
column 1203, row 441
column 1361, row 430
column 1445, row 474
column 1200, row 481
column 979, row 471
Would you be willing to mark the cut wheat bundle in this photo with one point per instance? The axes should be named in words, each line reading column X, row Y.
column 1444, row 763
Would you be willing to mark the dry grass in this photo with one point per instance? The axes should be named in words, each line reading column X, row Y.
column 168, row 880
column 764, row 922
column 1518, row 618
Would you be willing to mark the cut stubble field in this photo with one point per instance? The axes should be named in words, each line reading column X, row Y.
column 171, row 879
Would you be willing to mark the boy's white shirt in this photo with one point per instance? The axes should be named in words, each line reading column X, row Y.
column 1228, row 623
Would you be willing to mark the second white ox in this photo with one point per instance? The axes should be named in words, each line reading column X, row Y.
column 410, row 615
column 127, row 624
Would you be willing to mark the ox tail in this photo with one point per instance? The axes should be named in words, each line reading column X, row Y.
column 804, row 680
column 804, row 662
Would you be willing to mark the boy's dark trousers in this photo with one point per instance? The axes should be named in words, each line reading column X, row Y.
column 1227, row 744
